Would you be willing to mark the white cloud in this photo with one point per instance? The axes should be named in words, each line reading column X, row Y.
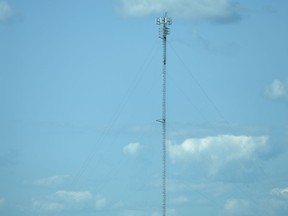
column 100, row 202
column 222, row 147
column 217, row 151
column 193, row 9
column 51, row 181
column 6, row 11
column 277, row 90
column 132, row 148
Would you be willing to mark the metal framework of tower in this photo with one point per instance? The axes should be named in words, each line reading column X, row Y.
column 164, row 22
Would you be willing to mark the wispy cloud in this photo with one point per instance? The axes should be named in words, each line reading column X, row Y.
column 47, row 206
column 215, row 10
column 236, row 207
column 100, row 202
column 131, row 213
column 180, row 200
column 182, row 186
column 227, row 49
column 52, row 180
column 2, row 201
column 156, row 214
column 63, row 200
column 8, row 158
column 277, row 90
column 132, row 149
column 282, row 192
column 273, row 204
column 74, row 196
column 170, row 212
column 6, row 11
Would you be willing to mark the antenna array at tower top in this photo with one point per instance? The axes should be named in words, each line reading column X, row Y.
column 164, row 21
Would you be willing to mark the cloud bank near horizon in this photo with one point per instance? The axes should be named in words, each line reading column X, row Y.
column 223, row 11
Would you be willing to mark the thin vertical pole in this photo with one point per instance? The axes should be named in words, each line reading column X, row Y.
column 164, row 127
column 164, row 21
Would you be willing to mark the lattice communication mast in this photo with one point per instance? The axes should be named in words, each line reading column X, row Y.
column 164, row 22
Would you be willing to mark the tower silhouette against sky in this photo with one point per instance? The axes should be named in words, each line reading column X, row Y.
column 164, row 22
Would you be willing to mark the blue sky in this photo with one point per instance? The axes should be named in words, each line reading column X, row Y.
column 80, row 89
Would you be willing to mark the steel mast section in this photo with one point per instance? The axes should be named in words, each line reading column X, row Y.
column 164, row 22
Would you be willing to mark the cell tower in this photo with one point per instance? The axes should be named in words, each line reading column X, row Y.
column 164, row 22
